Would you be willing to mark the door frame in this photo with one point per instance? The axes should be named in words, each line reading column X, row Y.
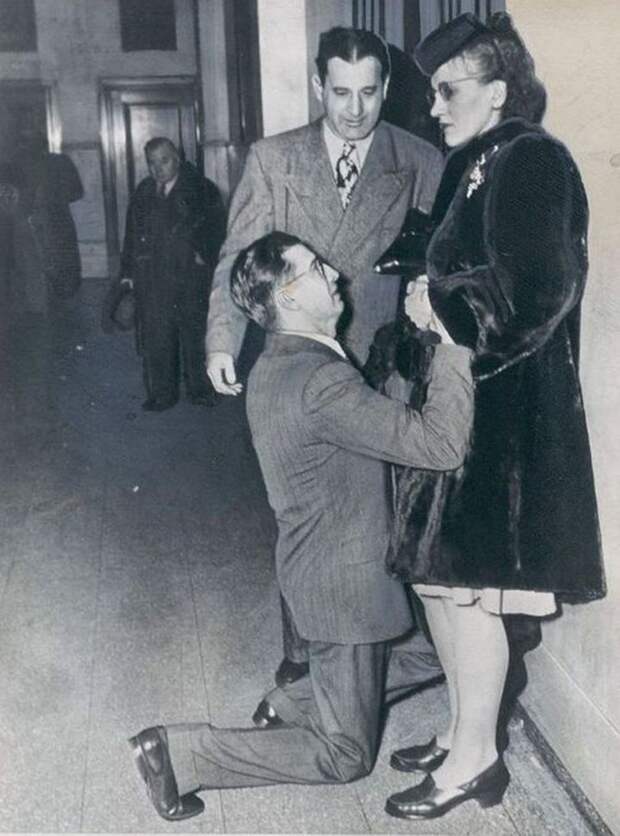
column 113, row 152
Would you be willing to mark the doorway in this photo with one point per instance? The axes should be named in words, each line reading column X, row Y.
column 132, row 112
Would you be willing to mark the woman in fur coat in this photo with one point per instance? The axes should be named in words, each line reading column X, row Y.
column 517, row 527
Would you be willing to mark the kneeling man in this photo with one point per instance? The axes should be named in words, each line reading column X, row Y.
column 322, row 436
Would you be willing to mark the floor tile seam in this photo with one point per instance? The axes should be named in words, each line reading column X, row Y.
column 362, row 809
column 26, row 516
column 5, row 586
column 93, row 666
column 510, row 818
column 188, row 567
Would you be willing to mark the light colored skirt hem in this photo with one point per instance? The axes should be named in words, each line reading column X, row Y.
column 496, row 601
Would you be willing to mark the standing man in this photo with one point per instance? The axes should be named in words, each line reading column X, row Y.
column 342, row 184
column 175, row 227
column 322, row 436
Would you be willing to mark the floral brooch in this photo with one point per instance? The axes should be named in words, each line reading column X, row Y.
column 476, row 176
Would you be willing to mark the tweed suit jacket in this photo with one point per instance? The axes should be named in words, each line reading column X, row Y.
column 323, row 436
column 288, row 185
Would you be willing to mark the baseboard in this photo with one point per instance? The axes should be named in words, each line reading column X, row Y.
column 551, row 760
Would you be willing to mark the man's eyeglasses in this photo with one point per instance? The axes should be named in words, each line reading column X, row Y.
column 446, row 90
column 315, row 266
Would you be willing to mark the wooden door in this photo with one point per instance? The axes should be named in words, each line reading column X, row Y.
column 132, row 113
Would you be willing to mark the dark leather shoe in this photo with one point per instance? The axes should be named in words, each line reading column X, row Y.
column 290, row 672
column 428, row 801
column 424, row 758
column 150, row 750
column 265, row 716
column 155, row 405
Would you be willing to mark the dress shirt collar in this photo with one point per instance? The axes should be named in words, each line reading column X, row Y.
column 168, row 187
column 330, row 342
column 335, row 143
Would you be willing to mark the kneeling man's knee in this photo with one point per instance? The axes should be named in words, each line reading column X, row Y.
column 348, row 762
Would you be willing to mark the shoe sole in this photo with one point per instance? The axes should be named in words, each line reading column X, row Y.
column 138, row 756
column 399, row 766
column 486, row 800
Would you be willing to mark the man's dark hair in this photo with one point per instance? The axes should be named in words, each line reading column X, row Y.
column 257, row 272
column 159, row 142
column 351, row 45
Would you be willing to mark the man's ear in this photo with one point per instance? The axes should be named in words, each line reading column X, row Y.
column 317, row 86
column 386, row 85
column 286, row 300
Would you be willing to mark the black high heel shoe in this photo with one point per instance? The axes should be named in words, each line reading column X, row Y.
column 428, row 801
column 424, row 758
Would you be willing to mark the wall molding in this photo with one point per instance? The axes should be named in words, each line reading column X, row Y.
column 580, row 734
column 82, row 145
column 555, row 765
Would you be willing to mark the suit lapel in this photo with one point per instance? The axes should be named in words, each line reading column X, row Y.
column 312, row 186
column 380, row 184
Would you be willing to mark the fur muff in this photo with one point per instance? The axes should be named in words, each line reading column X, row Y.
column 507, row 265
column 419, row 497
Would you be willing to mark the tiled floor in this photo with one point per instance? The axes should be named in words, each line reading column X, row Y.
column 136, row 587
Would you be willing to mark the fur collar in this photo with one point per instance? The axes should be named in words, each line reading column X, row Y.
column 460, row 159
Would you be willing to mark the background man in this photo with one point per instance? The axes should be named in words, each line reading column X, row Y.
column 343, row 184
column 175, row 226
column 322, row 436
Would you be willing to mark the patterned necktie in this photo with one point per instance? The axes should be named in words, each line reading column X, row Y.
column 346, row 173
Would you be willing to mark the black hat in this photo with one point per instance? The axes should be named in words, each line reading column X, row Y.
column 447, row 41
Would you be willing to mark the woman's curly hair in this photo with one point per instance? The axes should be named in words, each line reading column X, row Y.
column 501, row 54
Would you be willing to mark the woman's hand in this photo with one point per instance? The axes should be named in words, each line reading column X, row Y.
column 419, row 310
column 417, row 304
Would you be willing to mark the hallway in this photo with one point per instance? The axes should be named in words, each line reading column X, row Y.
column 136, row 587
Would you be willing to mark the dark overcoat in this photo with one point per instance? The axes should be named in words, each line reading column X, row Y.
column 161, row 243
column 507, row 266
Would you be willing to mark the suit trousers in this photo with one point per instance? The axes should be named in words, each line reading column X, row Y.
column 172, row 328
column 332, row 721
column 294, row 646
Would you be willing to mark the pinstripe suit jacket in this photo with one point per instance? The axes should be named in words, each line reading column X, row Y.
column 323, row 436
column 288, row 185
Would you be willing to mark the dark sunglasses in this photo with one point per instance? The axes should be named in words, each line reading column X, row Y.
column 446, row 89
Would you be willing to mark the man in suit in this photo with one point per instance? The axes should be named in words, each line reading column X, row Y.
column 175, row 226
column 342, row 184
column 322, row 436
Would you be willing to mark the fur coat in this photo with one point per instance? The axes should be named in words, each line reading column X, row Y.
column 507, row 265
